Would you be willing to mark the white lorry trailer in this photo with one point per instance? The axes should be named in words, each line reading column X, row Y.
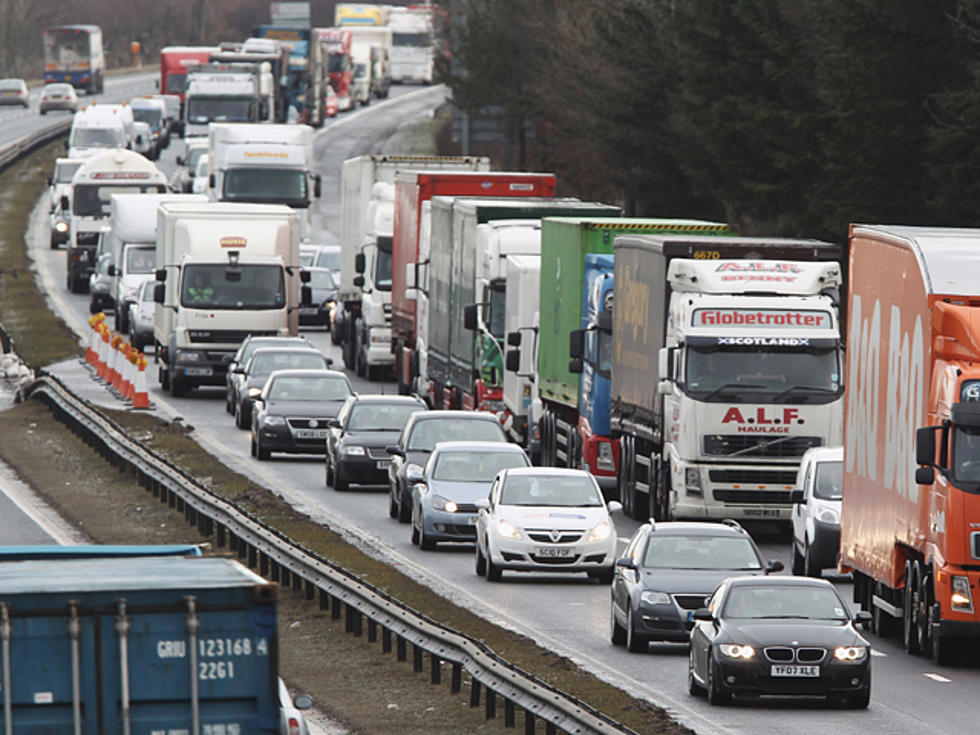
column 370, row 53
column 224, row 271
column 412, row 52
column 264, row 164
column 522, row 290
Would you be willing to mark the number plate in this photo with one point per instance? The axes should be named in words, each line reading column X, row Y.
column 311, row 433
column 796, row 671
column 200, row 371
column 383, row 464
column 307, row 310
column 553, row 551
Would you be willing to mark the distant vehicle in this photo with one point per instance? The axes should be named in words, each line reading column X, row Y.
column 73, row 54
column 293, row 409
column 356, row 444
column 183, row 180
column 444, row 494
column 100, row 286
column 199, row 184
column 323, row 292
column 60, row 227
column 174, row 63
column 14, row 92
column 96, row 128
column 336, row 43
column 171, row 103
column 816, row 517
column 779, row 635
column 667, row 572
column 57, row 96
column 307, row 254
column 59, row 184
column 331, row 105
column 153, row 113
column 417, row 440
column 329, row 257
column 141, row 317
column 143, row 140
column 261, row 365
column 412, row 53
column 546, row 519
column 250, row 344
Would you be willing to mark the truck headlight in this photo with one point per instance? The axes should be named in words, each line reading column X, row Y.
column 61, row 227
column 961, row 599
column 692, row 481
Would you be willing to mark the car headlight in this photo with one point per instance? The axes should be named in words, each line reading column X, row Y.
column 850, row 653
column 828, row 515
column 61, row 227
column 733, row 650
column 444, row 504
column 354, row 451
column 412, row 469
column 692, row 480
column 129, row 294
column 508, row 530
column 190, row 356
column 274, row 421
column 254, row 392
column 961, row 598
column 655, row 598
column 600, row 532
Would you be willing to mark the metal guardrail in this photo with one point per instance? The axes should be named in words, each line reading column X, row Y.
column 283, row 560
column 13, row 152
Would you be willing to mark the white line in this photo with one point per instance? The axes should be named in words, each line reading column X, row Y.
column 37, row 510
column 938, row 677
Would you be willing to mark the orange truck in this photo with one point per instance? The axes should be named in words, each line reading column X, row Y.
column 910, row 522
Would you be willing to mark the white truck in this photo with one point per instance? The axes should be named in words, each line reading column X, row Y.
column 264, row 164
column 370, row 51
column 225, row 271
column 523, row 285
column 223, row 93
column 115, row 171
column 744, row 335
column 96, row 128
column 363, row 326
column 132, row 241
column 412, row 51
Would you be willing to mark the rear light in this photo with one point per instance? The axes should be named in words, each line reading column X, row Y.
column 294, row 726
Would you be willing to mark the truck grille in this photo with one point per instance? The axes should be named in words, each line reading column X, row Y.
column 750, row 497
column 748, row 445
column 753, row 477
column 224, row 335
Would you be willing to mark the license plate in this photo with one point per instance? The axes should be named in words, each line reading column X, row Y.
column 199, row 371
column 762, row 512
column 307, row 310
column 383, row 464
column 311, row 433
column 788, row 670
column 553, row 551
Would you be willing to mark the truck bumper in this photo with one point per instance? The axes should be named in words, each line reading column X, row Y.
column 379, row 346
column 742, row 491
column 200, row 367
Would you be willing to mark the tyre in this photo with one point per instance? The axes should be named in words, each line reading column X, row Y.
column 340, row 482
column 360, row 364
column 494, row 572
column 54, row 243
column 797, row 561
column 404, row 509
column 261, row 453
column 241, row 420
column 335, row 336
column 910, row 600
column 693, row 688
column 859, row 700
column 177, row 388
column 943, row 649
column 617, row 633
column 481, row 562
column 603, row 576
column 716, row 695
column 810, row 568
column 885, row 625
column 635, row 642
column 415, row 534
column 329, row 472
column 425, row 541
column 923, row 629
column 252, row 446
column 392, row 506
column 122, row 321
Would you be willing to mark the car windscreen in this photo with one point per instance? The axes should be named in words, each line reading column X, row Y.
column 288, row 360
column 426, row 434
column 308, row 388
column 791, row 601
column 474, row 466
column 380, row 417
column 731, row 553
column 97, row 138
column 568, row 491
column 328, row 259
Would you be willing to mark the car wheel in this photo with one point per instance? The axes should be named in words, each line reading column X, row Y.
column 340, row 482
column 716, row 695
column 54, row 242
column 425, row 540
column 252, row 446
column 603, row 576
column 415, row 533
column 693, row 688
column 797, row 561
column 481, row 561
column 261, row 453
column 859, row 700
column 617, row 633
column 494, row 572
column 240, row 416
column 810, row 568
column 404, row 509
column 635, row 642
column 392, row 505
column 329, row 470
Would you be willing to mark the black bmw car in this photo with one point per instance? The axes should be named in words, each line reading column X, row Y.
column 294, row 409
column 667, row 572
column 776, row 636
column 356, row 444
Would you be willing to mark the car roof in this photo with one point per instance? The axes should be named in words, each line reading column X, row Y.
column 548, row 472
column 472, row 446
column 695, row 528
column 824, row 454
column 779, row 580
column 382, row 398
column 309, row 373
column 280, row 350
column 465, row 415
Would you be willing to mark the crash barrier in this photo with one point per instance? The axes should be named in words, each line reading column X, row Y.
column 13, row 152
column 493, row 680
column 117, row 364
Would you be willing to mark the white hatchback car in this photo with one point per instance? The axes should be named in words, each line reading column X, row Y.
column 545, row 519
column 816, row 519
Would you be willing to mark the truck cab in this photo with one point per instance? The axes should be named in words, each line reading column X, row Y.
column 373, row 267
column 221, row 95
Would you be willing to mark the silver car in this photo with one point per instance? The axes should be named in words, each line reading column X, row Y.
column 141, row 316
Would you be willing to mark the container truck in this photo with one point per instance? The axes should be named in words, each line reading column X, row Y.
column 744, row 337
column 412, row 190
column 370, row 49
column 335, row 44
column 412, row 51
column 462, row 252
column 225, row 271
column 141, row 644
column 572, row 425
column 113, row 171
column 363, row 325
column 264, row 164
column 910, row 520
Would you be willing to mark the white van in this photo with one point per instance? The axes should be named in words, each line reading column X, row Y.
column 816, row 517
column 96, row 128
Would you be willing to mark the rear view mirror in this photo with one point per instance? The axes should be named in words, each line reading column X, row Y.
column 575, row 366
column 513, row 339
column 159, row 293
column 305, row 296
column 576, row 343
column 796, row 495
column 65, row 204
column 359, row 263
column 317, row 186
column 513, row 360
column 925, row 445
column 161, row 275
column 604, row 322
column 469, row 317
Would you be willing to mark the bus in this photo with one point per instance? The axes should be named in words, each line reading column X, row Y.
column 73, row 54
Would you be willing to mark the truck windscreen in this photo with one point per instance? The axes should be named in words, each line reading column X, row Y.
column 92, row 200
column 245, row 287
column 177, row 83
column 281, row 186
column 382, row 266
column 202, row 110
column 98, row 138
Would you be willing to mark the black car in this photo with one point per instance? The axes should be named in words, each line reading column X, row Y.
column 359, row 436
column 294, row 410
column 250, row 344
column 667, row 572
column 779, row 635
column 261, row 365
column 323, row 297
column 421, row 433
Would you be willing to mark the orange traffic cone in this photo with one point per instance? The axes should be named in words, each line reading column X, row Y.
column 141, row 397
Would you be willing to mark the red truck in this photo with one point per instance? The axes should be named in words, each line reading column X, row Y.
column 173, row 67
column 412, row 188
column 910, row 520
column 336, row 44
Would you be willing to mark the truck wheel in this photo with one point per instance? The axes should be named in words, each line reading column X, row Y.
column 797, row 561
column 361, row 364
column 924, row 629
column 623, row 479
column 660, row 503
column 573, row 450
column 910, row 599
column 943, row 649
column 177, row 388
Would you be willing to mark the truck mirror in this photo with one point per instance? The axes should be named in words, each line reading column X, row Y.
column 665, row 387
column 112, row 271
column 359, row 265
column 161, row 275
column 576, row 345
column 925, row 447
column 317, row 186
column 513, row 361
column 514, row 339
column 410, row 272
column 306, row 296
column 603, row 321
column 211, row 180
column 159, row 292
column 304, row 276
column 663, row 363
column 575, row 366
column 65, row 204
column 359, row 281
column 924, row 475
column 469, row 317
column 181, row 161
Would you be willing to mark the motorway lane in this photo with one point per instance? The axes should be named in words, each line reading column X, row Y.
column 566, row 614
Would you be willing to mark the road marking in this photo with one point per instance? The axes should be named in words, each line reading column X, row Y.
column 938, row 677
column 880, row 654
column 353, row 115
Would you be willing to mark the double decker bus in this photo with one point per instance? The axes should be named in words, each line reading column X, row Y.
column 73, row 54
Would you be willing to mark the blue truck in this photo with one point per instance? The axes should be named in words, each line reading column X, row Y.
column 123, row 640
column 306, row 73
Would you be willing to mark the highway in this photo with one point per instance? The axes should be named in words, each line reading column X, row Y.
column 568, row 614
